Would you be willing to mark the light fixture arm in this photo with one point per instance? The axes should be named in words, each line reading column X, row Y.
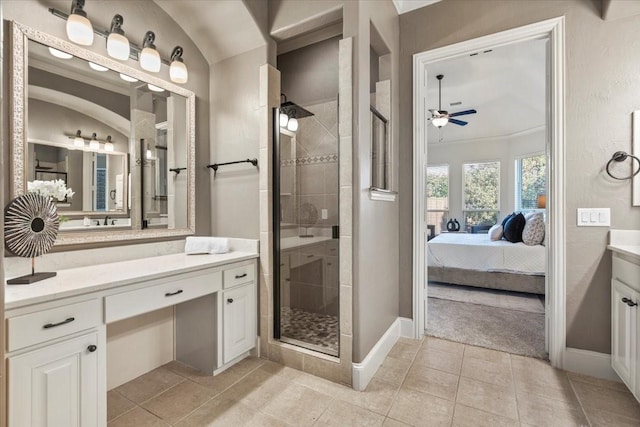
column 77, row 8
column 135, row 49
column 176, row 55
column 116, row 25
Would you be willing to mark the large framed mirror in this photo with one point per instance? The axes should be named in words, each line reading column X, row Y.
column 121, row 139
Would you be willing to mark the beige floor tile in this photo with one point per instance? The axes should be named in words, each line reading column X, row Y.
column 432, row 381
column 606, row 399
column 439, row 359
column 322, row 385
column 177, row 402
column 616, row 385
column 443, row 345
column 404, row 351
column 340, row 414
column 149, row 385
column 390, row 422
column 487, row 355
column 606, row 419
column 498, row 400
column 257, row 389
column 540, row 411
column 465, row 416
column 138, row 417
column 393, row 371
column 498, row 372
column 246, row 366
column 416, row 409
column 217, row 384
column 377, row 397
column 220, row 412
column 276, row 368
column 299, row 403
column 535, row 376
column 117, row 405
column 564, row 394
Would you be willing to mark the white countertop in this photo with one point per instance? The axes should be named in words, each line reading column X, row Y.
column 83, row 280
column 625, row 242
column 298, row 242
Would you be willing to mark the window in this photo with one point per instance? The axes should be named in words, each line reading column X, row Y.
column 531, row 181
column 481, row 193
column 437, row 196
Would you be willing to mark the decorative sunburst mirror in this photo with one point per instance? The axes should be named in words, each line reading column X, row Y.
column 30, row 230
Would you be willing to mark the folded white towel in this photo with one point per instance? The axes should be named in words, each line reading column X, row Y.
column 206, row 245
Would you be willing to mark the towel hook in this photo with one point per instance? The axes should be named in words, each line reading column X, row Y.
column 621, row 156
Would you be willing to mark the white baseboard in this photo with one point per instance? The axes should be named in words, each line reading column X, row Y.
column 365, row 370
column 589, row 363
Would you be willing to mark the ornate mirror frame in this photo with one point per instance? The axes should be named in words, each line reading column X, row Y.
column 18, row 101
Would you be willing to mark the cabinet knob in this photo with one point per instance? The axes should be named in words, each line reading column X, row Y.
column 229, row 300
column 92, row 348
column 629, row 302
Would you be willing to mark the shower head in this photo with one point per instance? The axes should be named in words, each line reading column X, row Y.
column 292, row 109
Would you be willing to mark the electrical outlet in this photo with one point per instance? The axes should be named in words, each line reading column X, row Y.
column 594, row 217
column 325, row 214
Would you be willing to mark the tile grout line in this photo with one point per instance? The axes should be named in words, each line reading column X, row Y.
column 515, row 387
column 586, row 417
column 455, row 401
column 125, row 412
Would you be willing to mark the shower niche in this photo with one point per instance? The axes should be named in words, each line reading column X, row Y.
column 306, row 199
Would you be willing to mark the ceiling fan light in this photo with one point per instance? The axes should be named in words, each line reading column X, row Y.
column 439, row 121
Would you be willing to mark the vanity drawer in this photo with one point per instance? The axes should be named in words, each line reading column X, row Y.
column 129, row 304
column 45, row 325
column 626, row 272
column 239, row 275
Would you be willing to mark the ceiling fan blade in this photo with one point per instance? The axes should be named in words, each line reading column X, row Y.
column 462, row 113
column 458, row 122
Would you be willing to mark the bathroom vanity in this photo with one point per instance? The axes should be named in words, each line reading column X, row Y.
column 625, row 297
column 56, row 329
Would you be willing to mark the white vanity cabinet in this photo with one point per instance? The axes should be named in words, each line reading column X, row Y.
column 57, row 385
column 625, row 321
column 239, row 322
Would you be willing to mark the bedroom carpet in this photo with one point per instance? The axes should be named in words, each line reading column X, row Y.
column 491, row 297
column 511, row 331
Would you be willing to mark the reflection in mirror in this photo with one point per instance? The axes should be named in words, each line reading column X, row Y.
column 111, row 133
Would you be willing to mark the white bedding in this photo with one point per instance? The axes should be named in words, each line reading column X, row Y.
column 477, row 252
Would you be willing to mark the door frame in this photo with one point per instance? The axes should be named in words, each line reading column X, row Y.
column 552, row 30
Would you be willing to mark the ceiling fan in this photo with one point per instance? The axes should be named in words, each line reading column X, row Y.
column 440, row 117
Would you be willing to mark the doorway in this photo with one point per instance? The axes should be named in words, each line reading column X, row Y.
column 552, row 31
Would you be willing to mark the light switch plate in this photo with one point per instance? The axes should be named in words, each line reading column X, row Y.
column 594, row 217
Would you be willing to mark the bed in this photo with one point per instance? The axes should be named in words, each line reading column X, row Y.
column 475, row 260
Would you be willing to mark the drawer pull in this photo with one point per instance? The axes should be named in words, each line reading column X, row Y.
column 229, row 300
column 64, row 322
column 92, row 348
column 629, row 302
column 170, row 294
column 240, row 276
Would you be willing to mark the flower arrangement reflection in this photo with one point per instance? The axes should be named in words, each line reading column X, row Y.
column 55, row 190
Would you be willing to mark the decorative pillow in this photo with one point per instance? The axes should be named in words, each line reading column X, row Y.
column 533, row 232
column 513, row 228
column 495, row 232
column 507, row 218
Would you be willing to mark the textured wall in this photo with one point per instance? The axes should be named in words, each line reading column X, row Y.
column 602, row 88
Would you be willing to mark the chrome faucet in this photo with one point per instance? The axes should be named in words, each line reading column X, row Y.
column 106, row 220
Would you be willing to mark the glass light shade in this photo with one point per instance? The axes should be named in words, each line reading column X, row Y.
column 440, row 121
column 178, row 72
column 284, row 119
column 128, row 78
column 94, row 144
column 150, row 60
column 79, row 29
column 118, row 46
column 60, row 54
column 149, row 154
column 78, row 141
column 97, row 67
column 293, row 124
column 108, row 146
column 154, row 88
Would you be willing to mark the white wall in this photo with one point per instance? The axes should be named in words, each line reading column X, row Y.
column 505, row 150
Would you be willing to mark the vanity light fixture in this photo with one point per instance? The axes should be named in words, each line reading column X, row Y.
column 149, row 153
column 177, row 70
column 154, row 88
column 60, row 54
column 284, row 119
column 293, row 124
column 128, row 78
column 97, row 67
column 108, row 145
column 94, row 144
column 117, row 43
column 79, row 28
column 78, row 141
column 149, row 57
